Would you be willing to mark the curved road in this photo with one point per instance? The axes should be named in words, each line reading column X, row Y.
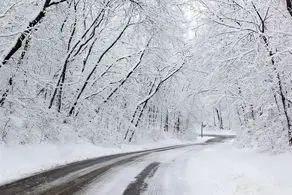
column 75, row 177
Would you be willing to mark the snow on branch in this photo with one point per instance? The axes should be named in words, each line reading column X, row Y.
column 26, row 33
column 96, row 65
column 159, row 85
column 7, row 10
column 56, row 2
column 129, row 73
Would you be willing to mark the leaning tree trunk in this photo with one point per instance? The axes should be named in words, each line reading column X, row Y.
column 26, row 33
column 138, row 115
column 289, row 6
column 24, row 39
column 283, row 98
column 11, row 79
column 80, row 92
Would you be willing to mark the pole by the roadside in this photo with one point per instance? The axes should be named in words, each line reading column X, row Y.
column 202, row 128
column 202, row 131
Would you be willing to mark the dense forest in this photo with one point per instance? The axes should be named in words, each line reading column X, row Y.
column 112, row 71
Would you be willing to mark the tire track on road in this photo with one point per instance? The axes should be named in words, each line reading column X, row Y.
column 140, row 185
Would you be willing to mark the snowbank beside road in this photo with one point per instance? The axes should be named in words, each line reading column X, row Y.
column 20, row 161
column 224, row 170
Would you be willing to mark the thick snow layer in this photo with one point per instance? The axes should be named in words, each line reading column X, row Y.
column 20, row 161
column 222, row 169
column 225, row 170
column 219, row 169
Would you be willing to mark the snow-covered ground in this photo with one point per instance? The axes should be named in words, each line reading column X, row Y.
column 223, row 169
column 220, row 169
column 19, row 161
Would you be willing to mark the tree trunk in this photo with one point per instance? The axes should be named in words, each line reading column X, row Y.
column 26, row 33
column 289, row 6
column 220, row 120
column 166, row 122
column 139, row 107
column 95, row 67
column 279, row 81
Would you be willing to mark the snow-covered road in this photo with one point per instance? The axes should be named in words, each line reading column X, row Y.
column 219, row 169
column 203, row 169
column 156, row 173
column 77, row 176
column 74, row 177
